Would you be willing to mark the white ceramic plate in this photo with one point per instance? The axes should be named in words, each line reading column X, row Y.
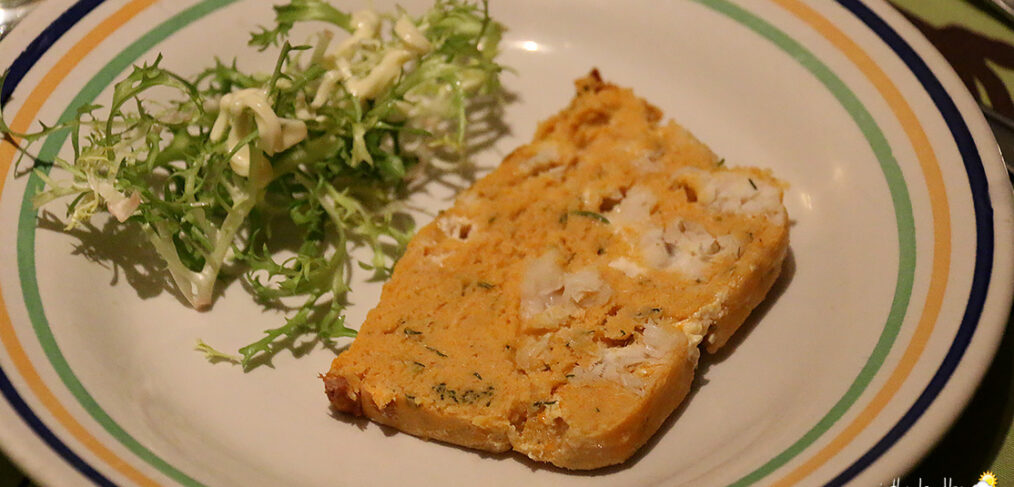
column 889, row 311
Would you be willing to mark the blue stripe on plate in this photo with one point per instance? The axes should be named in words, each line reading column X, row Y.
column 984, row 238
column 962, row 136
column 15, row 73
column 17, row 70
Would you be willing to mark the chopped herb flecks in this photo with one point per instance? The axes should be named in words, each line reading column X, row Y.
column 466, row 396
column 583, row 213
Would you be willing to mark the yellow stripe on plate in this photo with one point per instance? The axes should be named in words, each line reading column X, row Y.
column 941, row 235
column 21, row 123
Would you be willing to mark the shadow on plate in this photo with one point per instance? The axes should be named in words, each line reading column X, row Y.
column 977, row 437
column 120, row 248
column 708, row 360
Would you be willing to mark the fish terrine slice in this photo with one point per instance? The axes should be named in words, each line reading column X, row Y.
column 559, row 306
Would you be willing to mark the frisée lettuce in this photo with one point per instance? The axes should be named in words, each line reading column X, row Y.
column 319, row 151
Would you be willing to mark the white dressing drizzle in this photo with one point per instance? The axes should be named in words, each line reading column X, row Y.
column 380, row 76
column 238, row 112
column 367, row 24
column 410, row 35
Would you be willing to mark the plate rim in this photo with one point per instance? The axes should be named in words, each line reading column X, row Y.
column 994, row 196
column 963, row 116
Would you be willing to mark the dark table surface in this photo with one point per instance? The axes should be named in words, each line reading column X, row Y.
column 979, row 43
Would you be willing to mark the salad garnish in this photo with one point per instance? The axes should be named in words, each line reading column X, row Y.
column 319, row 151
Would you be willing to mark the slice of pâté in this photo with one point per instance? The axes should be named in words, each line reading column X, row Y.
column 558, row 307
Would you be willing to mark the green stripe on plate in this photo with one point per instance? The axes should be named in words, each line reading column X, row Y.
column 863, row 119
column 903, row 218
column 26, row 233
